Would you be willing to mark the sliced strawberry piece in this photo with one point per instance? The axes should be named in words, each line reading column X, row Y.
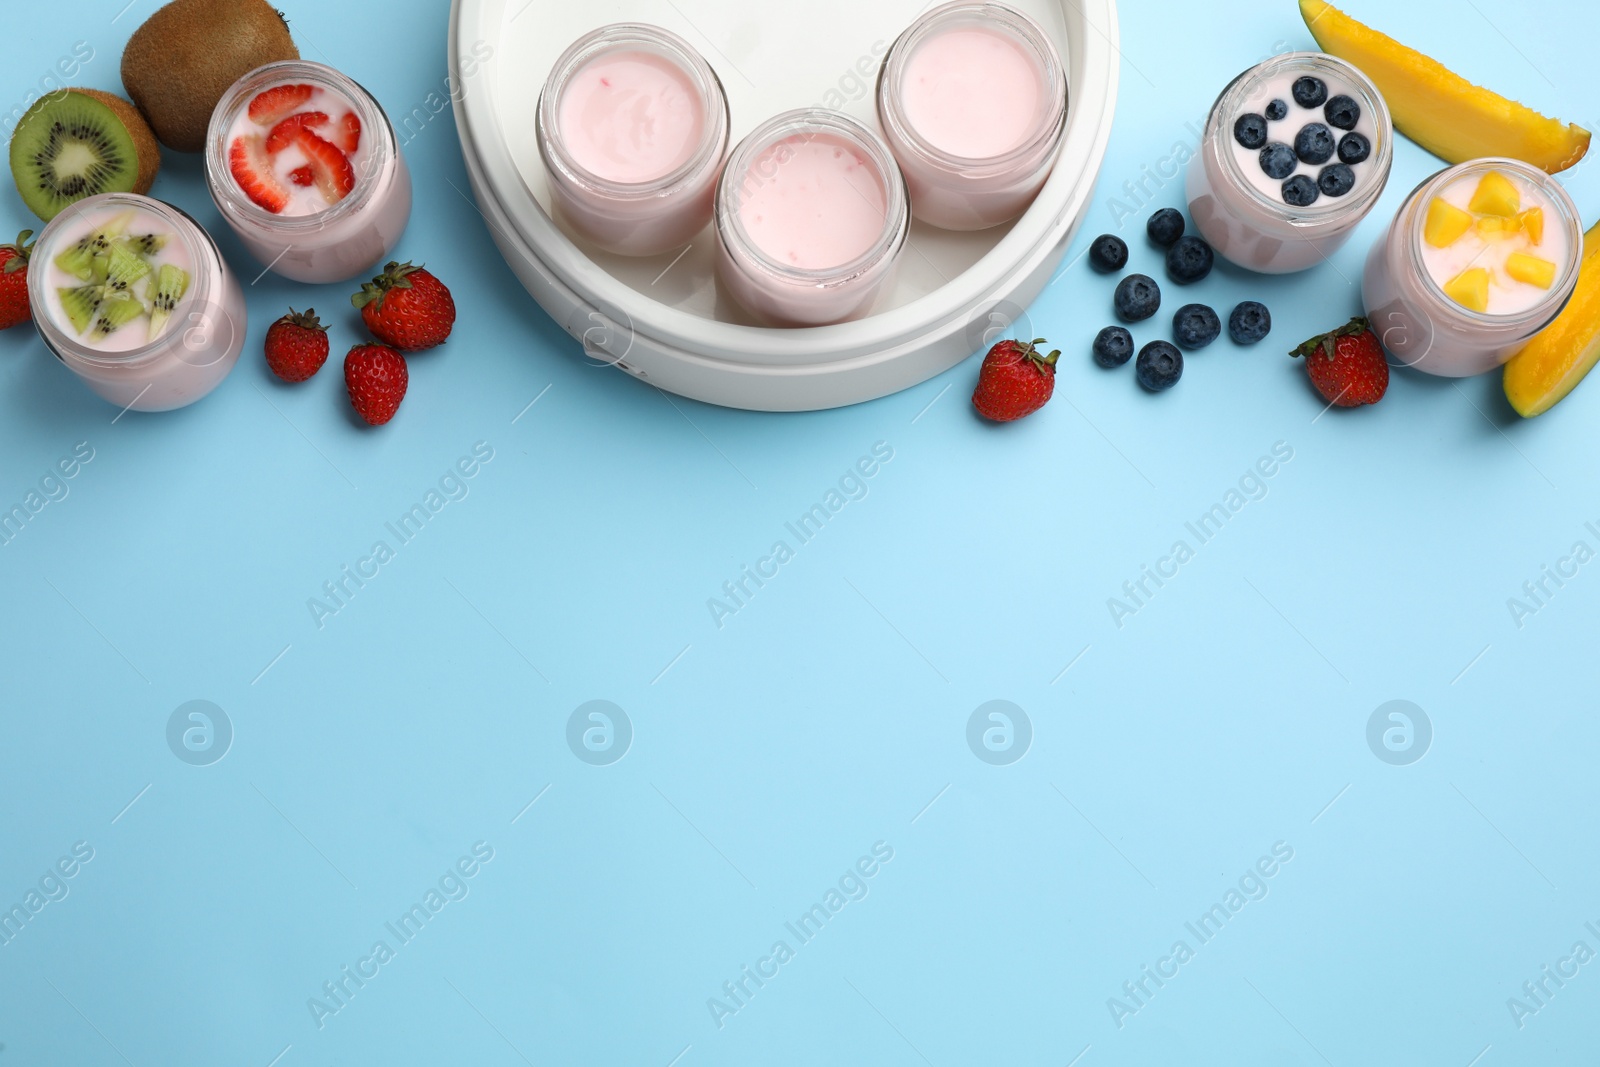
column 282, row 135
column 331, row 167
column 279, row 102
column 252, row 169
column 303, row 176
column 350, row 131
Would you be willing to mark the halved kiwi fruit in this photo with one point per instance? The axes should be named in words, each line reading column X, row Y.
column 77, row 143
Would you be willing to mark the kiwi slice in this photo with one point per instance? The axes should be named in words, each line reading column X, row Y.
column 80, row 304
column 79, row 260
column 77, row 143
column 116, row 311
column 148, row 244
column 169, row 286
column 124, row 267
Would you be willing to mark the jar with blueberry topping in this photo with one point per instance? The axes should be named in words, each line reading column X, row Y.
column 1296, row 153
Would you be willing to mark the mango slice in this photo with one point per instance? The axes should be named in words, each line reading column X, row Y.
column 1446, row 224
column 1494, row 228
column 1496, row 195
column 1531, row 270
column 1541, row 375
column 1439, row 109
column 1532, row 223
column 1470, row 289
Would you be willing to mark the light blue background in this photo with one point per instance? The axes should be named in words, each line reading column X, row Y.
column 828, row 714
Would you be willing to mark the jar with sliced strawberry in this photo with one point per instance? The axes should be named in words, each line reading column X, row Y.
column 306, row 168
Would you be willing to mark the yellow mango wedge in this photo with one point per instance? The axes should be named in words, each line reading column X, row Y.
column 1439, row 109
column 1446, row 224
column 1470, row 289
column 1541, row 375
column 1531, row 270
column 1532, row 223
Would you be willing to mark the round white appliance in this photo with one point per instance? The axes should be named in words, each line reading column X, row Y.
column 662, row 319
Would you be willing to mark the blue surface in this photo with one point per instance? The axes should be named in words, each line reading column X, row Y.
column 1168, row 757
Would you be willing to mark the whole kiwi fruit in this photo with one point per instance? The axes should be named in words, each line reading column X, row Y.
column 188, row 54
column 76, row 143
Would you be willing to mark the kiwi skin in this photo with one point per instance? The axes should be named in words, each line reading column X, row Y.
column 178, row 65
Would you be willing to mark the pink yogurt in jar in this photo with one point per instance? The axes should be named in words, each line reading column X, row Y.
column 633, row 126
column 305, row 167
column 812, row 215
column 136, row 300
column 973, row 101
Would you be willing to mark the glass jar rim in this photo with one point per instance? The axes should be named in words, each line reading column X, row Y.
column 813, row 122
column 1560, row 289
column 201, row 248
column 716, row 116
column 1018, row 25
column 1372, row 100
column 373, row 118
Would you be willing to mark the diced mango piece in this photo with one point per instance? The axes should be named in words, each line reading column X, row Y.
column 1554, row 362
column 1495, row 228
column 1470, row 289
column 1531, row 269
column 1439, row 109
column 1532, row 223
column 1445, row 224
column 1496, row 195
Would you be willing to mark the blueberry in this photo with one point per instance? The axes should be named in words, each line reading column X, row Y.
column 1159, row 367
column 1278, row 160
column 1108, row 253
column 1300, row 191
column 1138, row 297
column 1309, row 91
column 1354, row 148
column 1188, row 260
column 1113, row 347
column 1342, row 112
column 1250, row 131
column 1249, row 323
column 1277, row 111
column 1195, row 326
column 1336, row 180
column 1314, row 144
column 1165, row 226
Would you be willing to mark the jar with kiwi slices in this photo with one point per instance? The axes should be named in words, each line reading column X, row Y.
column 135, row 298
column 305, row 166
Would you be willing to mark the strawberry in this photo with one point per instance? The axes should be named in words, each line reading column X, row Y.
column 252, row 169
column 282, row 135
column 297, row 346
column 331, row 167
column 303, row 176
column 376, row 377
column 279, row 102
column 350, row 133
column 1347, row 366
column 1015, row 381
column 14, row 281
column 407, row 307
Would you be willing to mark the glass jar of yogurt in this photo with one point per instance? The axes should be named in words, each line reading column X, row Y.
column 1481, row 258
column 811, row 217
column 305, row 167
column 973, row 101
column 1296, row 153
column 633, row 126
column 135, row 298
